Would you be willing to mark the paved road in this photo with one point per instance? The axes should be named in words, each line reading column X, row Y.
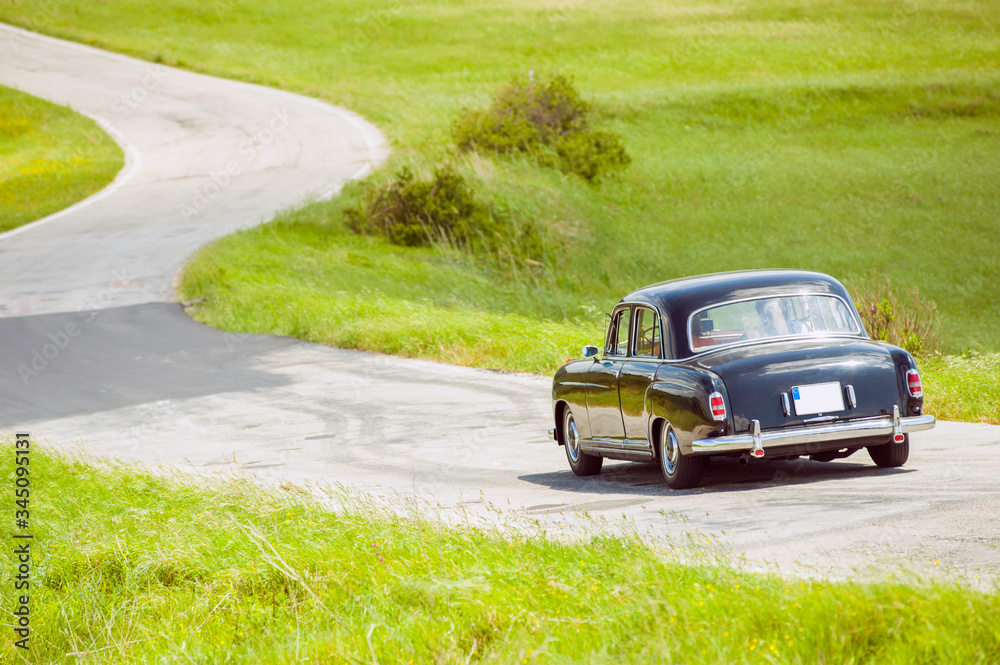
column 121, row 371
column 204, row 157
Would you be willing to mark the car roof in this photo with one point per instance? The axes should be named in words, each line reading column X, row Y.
column 678, row 298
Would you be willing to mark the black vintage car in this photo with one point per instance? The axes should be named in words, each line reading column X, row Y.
column 766, row 364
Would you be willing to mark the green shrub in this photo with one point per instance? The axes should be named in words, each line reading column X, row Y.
column 523, row 115
column 444, row 211
column 418, row 213
column 908, row 321
column 591, row 154
column 547, row 120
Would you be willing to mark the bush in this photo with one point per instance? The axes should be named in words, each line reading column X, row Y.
column 547, row 120
column 591, row 154
column 907, row 321
column 417, row 213
column 443, row 211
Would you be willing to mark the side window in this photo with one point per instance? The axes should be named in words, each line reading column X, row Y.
column 621, row 348
column 618, row 334
column 647, row 333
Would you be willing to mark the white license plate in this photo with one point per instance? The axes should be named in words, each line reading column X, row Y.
column 818, row 398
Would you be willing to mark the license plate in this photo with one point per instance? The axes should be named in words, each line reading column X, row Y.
column 818, row 398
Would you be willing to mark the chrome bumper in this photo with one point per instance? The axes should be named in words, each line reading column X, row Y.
column 756, row 441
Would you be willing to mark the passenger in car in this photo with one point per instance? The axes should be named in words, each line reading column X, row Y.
column 773, row 321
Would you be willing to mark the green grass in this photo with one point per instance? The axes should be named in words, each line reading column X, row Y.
column 50, row 158
column 854, row 138
column 318, row 282
column 306, row 277
column 131, row 566
column 965, row 388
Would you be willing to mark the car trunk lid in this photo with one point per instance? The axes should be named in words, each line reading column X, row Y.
column 756, row 376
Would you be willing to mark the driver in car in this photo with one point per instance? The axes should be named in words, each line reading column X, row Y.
column 772, row 314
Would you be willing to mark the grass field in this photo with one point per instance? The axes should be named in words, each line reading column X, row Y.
column 855, row 138
column 846, row 137
column 50, row 158
column 131, row 566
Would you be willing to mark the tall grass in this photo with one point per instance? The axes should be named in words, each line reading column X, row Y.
column 138, row 567
column 323, row 284
column 965, row 387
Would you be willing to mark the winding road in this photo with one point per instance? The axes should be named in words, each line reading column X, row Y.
column 95, row 354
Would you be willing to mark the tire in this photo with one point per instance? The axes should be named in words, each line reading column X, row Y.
column 890, row 455
column 679, row 470
column 580, row 462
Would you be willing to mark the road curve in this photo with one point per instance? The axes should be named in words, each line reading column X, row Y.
column 94, row 354
column 204, row 157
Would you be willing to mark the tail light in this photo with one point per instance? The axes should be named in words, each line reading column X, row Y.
column 913, row 385
column 718, row 406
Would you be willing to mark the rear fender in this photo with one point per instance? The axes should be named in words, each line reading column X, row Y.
column 911, row 406
column 681, row 400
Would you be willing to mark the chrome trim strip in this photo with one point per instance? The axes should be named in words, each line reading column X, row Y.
column 820, row 419
column 897, row 426
column 758, row 447
column 766, row 340
column 599, row 446
column 602, row 445
column 636, row 445
column 786, row 405
column 852, row 399
column 853, row 429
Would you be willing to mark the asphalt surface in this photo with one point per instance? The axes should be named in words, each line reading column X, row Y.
column 205, row 157
column 94, row 355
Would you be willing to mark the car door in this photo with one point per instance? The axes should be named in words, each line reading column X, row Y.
column 637, row 373
column 603, row 404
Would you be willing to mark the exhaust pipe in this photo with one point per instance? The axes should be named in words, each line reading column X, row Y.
column 744, row 459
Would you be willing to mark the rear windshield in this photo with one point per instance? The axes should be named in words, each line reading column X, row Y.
column 780, row 316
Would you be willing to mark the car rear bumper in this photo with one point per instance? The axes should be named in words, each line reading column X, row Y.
column 885, row 426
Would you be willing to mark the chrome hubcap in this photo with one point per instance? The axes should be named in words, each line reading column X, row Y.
column 670, row 452
column 572, row 439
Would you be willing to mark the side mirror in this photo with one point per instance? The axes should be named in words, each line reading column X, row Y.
column 590, row 351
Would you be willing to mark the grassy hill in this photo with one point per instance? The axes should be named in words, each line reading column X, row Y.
column 857, row 138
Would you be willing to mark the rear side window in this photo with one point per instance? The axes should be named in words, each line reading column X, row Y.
column 647, row 333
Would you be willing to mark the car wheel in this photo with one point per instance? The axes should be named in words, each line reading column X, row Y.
column 680, row 471
column 580, row 462
column 889, row 455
